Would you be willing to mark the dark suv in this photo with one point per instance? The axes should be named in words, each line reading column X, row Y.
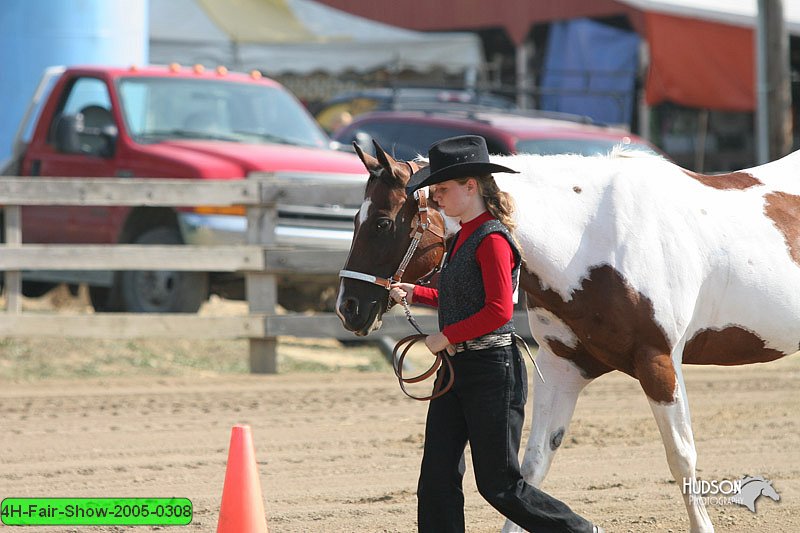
column 405, row 134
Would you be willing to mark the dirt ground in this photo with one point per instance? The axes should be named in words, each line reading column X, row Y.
column 338, row 445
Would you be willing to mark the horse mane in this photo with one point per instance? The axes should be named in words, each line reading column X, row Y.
column 624, row 151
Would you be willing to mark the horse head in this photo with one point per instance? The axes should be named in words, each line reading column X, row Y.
column 385, row 227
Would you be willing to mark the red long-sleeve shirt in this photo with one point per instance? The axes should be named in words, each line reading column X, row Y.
column 496, row 261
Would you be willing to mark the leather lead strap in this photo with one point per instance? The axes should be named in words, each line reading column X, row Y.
column 440, row 387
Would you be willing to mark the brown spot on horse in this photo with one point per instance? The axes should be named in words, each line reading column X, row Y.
column 728, row 346
column 615, row 326
column 784, row 211
column 726, row 182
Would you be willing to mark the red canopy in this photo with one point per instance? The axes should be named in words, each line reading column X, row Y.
column 700, row 64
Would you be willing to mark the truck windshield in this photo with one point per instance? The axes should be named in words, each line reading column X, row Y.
column 156, row 109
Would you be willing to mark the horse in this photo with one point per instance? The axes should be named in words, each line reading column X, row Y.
column 631, row 264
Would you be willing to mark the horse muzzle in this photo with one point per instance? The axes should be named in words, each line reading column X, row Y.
column 359, row 318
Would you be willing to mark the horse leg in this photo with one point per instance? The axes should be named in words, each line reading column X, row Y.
column 553, row 406
column 675, row 426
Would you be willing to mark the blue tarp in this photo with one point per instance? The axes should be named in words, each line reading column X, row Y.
column 590, row 69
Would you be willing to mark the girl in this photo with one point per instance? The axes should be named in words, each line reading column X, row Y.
column 475, row 302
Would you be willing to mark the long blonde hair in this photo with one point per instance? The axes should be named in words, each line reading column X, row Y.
column 499, row 203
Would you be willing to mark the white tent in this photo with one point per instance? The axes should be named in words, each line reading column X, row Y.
column 297, row 36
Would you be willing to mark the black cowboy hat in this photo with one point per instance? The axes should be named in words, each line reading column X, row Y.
column 456, row 157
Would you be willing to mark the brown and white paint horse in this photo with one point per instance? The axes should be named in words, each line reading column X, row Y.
column 631, row 264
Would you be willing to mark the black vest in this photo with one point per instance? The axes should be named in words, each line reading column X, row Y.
column 461, row 292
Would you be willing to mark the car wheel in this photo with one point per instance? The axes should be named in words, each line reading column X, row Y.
column 162, row 291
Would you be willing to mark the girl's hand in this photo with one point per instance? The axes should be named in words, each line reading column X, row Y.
column 438, row 342
column 399, row 291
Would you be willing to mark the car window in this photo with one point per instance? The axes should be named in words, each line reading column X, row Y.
column 407, row 139
column 496, row 146
column 412, row 139
column 365, row 133
column 576, row 146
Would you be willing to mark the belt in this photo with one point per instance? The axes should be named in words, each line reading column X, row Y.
column 490, row 340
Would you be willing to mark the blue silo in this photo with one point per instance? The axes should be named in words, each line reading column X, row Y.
column 35, row 34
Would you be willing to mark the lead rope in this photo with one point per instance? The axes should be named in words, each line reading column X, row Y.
column 440, row 388
column 409, row 317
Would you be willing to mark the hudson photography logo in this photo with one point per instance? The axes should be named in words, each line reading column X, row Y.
column 743, row 491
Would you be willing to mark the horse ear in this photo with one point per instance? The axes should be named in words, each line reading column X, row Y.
column 388, row 163
column 385, row 159
column 370, row 162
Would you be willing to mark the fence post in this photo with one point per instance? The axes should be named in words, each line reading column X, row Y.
column 261, row 286
column 13, row 278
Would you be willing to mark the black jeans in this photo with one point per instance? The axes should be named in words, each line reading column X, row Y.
column 485, row 407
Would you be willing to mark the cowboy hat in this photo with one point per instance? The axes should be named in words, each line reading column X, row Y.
column 456, row 157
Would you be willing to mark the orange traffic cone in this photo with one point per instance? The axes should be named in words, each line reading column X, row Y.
column 242, row 508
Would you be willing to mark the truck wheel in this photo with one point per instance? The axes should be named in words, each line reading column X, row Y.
column 162, row 291
column 36, row 289
column 104, row 299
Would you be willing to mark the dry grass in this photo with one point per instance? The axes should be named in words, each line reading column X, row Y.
column 23, row 359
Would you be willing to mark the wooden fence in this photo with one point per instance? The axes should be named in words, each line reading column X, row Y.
column 260, row 260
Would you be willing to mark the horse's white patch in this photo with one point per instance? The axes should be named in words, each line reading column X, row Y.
column 451, row 225
column 363, row 213
column 339, row 300
column 546, row 325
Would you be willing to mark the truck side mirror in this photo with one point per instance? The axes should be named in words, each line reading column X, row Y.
column 109, row 135
column 67, row 129
column 74, row 136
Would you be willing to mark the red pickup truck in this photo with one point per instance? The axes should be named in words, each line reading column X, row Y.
column 172, row 122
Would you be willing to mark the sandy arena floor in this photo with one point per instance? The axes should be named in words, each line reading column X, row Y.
column 339, row 452
column 338, row 445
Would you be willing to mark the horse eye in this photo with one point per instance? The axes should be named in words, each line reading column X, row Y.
column 384, row 224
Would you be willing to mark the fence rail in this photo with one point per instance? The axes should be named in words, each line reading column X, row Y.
column 259, row 260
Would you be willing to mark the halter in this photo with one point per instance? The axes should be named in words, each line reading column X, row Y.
column 440, row 386
column 422, row 226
